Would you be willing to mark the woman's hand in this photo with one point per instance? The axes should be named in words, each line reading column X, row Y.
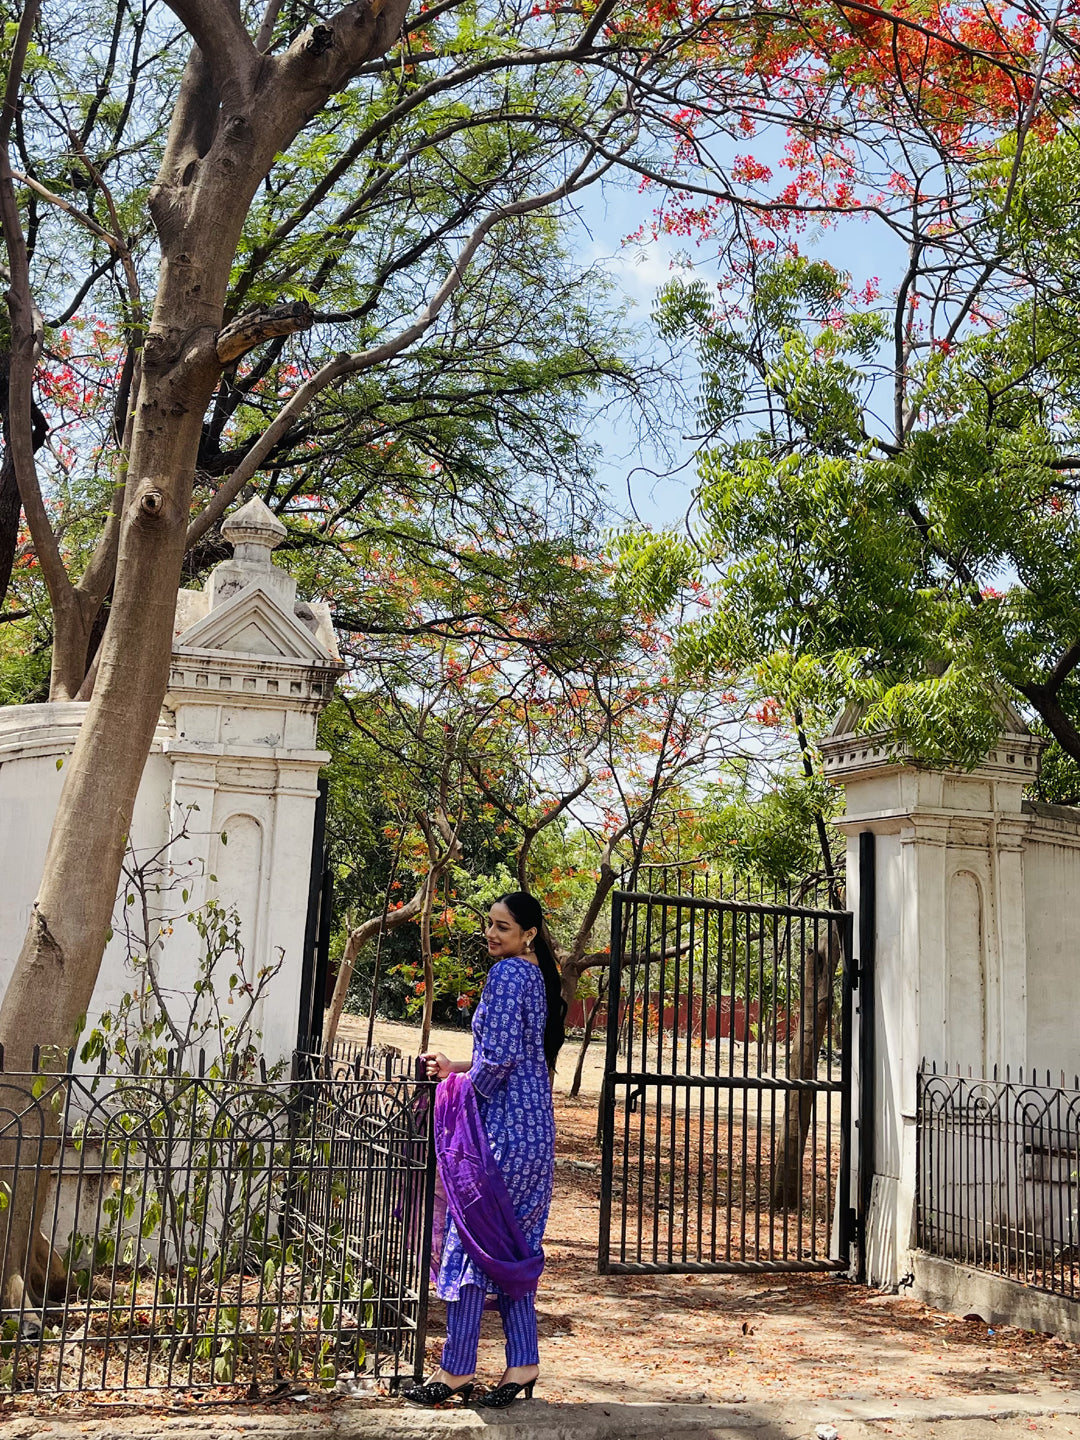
column 438, row 1065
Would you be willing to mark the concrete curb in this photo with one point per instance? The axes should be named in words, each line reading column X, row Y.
column 541, row 1421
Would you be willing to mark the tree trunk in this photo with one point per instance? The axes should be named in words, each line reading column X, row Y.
column 358, row 938
column 10, row 499
column 815, row 1007
column 429, row 964
column 235, row 111
column 590, row 1021
column 10, row 510
column 815, row 1010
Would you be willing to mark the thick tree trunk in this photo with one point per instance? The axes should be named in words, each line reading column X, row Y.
column 236, row 110
column 69, row 925
column 815, row 1008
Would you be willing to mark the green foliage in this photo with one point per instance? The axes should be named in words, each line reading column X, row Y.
column 769, row 835
column 434, row 466
column 929, row 573
column 24, row 664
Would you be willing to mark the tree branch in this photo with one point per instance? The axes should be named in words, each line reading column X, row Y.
column 26, row 337
column 351, row 364
column 73, row 210
column 259, row 324
column 1057, row 722
column 227, row 48
column 266, row 29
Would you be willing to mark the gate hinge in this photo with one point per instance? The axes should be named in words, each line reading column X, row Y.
column 855, row 1226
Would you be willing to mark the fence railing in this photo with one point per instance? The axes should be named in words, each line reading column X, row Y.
column 999, row 1176
column 198, row 1228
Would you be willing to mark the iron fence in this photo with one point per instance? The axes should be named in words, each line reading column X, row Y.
column 999, row 1175
column 201, row 1228
column 349, row 1059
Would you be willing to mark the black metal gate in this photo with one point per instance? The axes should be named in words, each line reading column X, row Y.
column 727, row 1093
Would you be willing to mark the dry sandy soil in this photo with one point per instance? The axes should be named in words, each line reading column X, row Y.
column 750, row 1341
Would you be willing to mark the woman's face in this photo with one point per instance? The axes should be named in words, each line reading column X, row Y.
column 504, row 935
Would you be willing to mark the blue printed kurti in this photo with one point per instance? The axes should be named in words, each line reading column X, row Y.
column 510, row 1076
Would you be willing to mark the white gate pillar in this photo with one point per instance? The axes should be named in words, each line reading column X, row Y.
column 950, row 940
column 235, row 755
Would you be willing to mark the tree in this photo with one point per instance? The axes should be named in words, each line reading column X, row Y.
column 923, row 563
column 564, row 735
column 364, row 162
column 243, row 227
column 248, row 215
column 243, row 101
column 887, row 470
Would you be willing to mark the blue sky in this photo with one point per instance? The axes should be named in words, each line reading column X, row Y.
column 607, row 215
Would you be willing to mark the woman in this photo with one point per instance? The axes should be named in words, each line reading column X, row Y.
column 495, row 1139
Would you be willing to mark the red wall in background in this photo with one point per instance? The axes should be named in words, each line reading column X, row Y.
column 736, row 1019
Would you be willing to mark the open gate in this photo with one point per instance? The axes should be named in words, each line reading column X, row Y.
column 726, row 1115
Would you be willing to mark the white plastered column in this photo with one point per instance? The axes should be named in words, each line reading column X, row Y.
column 235, row 753
column 950, row 947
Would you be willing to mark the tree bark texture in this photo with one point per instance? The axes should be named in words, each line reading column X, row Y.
column 819, row 967
column 10, row 499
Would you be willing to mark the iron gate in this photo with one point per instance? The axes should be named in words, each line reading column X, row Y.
column 727, row 1088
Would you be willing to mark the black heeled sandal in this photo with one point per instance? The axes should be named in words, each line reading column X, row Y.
column 504, row 1395
column 437, row 1392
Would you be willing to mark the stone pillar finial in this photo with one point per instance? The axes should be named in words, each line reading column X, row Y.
column 254, row 532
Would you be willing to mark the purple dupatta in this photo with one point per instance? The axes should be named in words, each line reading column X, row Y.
column 476, row 1193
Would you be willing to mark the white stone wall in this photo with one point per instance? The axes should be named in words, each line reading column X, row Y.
column 234, row 755
column 33, row 738
column 977, row 940
column 1052, row 935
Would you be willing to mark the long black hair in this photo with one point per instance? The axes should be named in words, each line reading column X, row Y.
column 525, row 909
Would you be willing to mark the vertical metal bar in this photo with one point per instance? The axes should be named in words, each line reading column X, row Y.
column 732, row 918
column 847, row 1211
column 920, row 1161
column 631, row 1006
column 310, row 1003
column 745, row 1092
column 611, row 1062
column 717, row 991
column 427, row 1222
column 867, row 941
column 658, row 1128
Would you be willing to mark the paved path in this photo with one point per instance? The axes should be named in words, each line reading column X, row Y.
column 962, row 1418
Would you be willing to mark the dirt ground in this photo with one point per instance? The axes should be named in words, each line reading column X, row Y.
column 729, row 1338
column 769, row 1345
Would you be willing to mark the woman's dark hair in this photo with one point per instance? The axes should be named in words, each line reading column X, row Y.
column 525, row 909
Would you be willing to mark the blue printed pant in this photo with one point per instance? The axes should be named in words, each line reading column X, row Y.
column 463, row 1331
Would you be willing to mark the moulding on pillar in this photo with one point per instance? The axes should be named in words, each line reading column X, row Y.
column 251, row 670
column 849, row 754
column 951, row 943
